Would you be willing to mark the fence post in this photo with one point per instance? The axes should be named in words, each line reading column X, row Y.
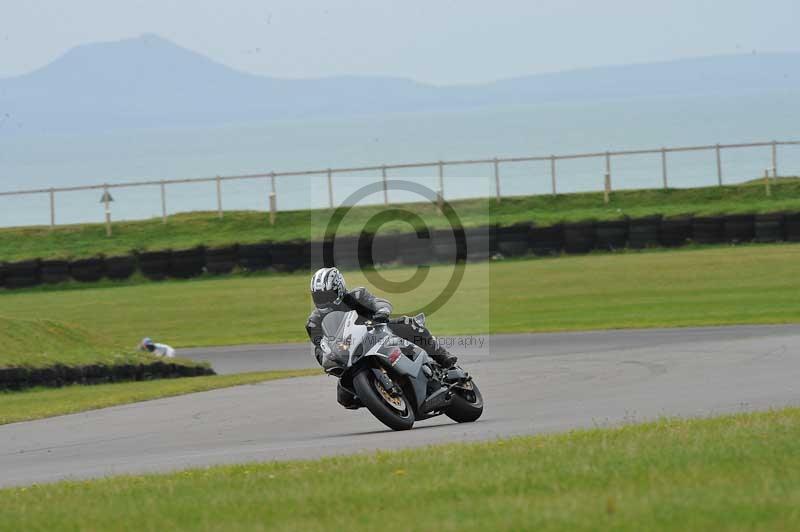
column 330, row 188
column 163, row 202
column 52, row 209
column 774, row 158
column 385, row 186
column 219, row 197
column 273, row 200
column 106, row 201
column 441, row 183
column 497, row 179
column 766, row 183
column 664, row 167
column 553, row 173
column 719, row 166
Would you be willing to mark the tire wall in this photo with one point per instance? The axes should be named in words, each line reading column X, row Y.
column 88, row 270
column 120, row 268
column 60, row 375
column 222, row 260
column 187, row 263
column 155, row 264
column 22, row 274
column 439, row 246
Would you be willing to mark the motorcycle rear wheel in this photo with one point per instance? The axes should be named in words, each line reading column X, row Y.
column 467, row 405
column 394, row 412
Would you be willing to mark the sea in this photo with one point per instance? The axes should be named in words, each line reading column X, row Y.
column 67, row 160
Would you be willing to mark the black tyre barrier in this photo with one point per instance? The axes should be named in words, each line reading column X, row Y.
column 415, row 249
column 55, row 271
column 187, row 263
column 546, row 240
column 220, row 261
column 513, row 240
column 481, row 242
column 155, row 264
column 364, row 249
column 255, row 257
column 22, row 274
column 320, row 254
column 768, row 227
column 385, row 248
column 88, row 270
column 643, row 232
column 444, row 245
column 120, row 268
column 708, row 230
column 791, row 227
column 675, row 231
column 579, row 237
column 739, row 228
column 346, row 252
column 611, row 235
column 60, row 375
column 288, row 256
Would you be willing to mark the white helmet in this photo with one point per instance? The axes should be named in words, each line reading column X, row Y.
column 327, row 287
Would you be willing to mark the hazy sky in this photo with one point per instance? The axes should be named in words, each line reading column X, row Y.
column 441, row 41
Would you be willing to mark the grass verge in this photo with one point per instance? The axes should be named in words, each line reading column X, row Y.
column 204, row 228
column 47, row 402
column 717, row 286
column 37, row 343
column 737, row 472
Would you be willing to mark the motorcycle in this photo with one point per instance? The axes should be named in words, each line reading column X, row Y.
column 394, row 379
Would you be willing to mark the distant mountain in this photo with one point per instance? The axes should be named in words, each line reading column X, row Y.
column 151, row 82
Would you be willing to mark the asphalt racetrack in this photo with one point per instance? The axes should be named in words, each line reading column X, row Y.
column 531, row 384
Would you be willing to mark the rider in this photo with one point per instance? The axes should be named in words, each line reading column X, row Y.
column 329, row 293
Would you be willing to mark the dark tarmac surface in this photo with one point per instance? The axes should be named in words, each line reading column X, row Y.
column 531, row 383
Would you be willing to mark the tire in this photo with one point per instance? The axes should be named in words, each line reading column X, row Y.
column 464, row 409
column 415, row 249
column 88, row 270
column 365, row 385
column 255, row 257
column 675, row 232
column 155, row 264
column 643, row 232
column 579, row 237
column 513, row 241
column 187, row 263
column 120, row 268
column 611, row 235
column 739, row 228
column 769, row 227
column 55, row 271
column 545, row 241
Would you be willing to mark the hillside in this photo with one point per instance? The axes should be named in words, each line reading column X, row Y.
column 151, row 82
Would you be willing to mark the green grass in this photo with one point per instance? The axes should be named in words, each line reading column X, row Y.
column 47, row 402
column 187, row 230
column 739, row 472
column 715, row 286
column 35, row 343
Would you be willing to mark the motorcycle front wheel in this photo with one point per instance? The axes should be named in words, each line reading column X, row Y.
column 467, row 405
column 394, row 411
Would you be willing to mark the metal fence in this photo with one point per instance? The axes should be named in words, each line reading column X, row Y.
column 439, row 166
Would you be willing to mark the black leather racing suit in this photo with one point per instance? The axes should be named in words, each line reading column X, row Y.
column 370, row 307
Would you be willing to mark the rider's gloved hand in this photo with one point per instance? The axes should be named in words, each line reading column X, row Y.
column 380, row 318
column 318, row 354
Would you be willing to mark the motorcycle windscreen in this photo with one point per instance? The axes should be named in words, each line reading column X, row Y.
column 333, row 325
